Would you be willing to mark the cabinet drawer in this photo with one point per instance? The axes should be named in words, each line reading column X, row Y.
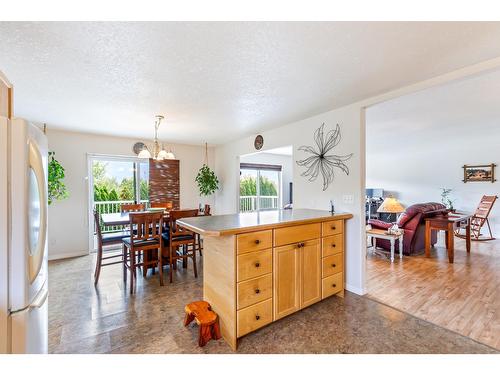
column 333, row 284
column 256, row 263
column 254, row 290
column 254, row 241
column 332, row 265
column 254, row 317
column 296, row 233
column 333, row 227
column 333, row 245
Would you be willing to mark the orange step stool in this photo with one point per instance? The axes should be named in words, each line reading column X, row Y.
column 208, row 321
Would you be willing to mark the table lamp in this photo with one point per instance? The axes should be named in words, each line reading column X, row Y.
column 391, row 205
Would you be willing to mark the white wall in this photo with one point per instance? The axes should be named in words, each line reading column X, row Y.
column 68, row 219
column 286, row 163
column 417, row 144
column 310, row 194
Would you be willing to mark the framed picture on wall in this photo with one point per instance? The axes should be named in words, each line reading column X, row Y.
column 479, row 173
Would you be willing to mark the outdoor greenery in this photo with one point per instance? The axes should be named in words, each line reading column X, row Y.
column 207, row 181
column 248, row 187
column 108, row 189
column 56, row 188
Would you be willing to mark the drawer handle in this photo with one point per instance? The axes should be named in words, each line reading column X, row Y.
column 334, row 265
column 257, row 317
column 257, row 291
column 334, row 285
column 334, row 227
column 257, row 242
column 333, row 245
column 257, row 265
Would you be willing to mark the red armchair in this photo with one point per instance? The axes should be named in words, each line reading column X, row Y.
column 412, row 221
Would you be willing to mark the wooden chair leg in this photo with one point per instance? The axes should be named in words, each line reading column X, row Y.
column 216, row 330
column 124, row 256
column 98, row 264
column 194, row 263
column 160, row 266
column 132, row 271
column 170, row 264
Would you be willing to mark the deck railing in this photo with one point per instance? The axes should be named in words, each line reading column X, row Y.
column 249, row 203
column 110, row 207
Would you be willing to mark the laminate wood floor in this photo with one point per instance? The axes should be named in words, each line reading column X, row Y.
column 106, row 319
column 463, row 297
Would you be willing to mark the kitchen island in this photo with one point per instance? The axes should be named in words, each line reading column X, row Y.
column 259, row 267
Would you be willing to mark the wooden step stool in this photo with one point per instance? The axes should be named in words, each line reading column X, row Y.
column 207, row 320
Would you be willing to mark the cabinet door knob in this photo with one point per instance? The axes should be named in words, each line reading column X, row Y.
column 257, row 242
column 257, row 264
column 257, row 317
column 334, row 285
column 257, row 291
column 299, row 245
column 334, row 265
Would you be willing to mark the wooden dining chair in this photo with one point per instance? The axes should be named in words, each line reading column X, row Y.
column 145, row 238
column 132, row 207
column 167, row 206
column 479, row 219
column 179, row 243
column 106, row 239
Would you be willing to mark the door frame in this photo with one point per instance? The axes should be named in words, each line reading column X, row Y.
column 90, row 187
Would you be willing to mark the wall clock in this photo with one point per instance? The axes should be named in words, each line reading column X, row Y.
column 138, row 147
column 259, row 142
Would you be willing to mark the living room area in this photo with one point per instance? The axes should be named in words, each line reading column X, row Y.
column 431, row 216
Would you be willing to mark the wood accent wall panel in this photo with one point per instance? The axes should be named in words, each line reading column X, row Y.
column 164, row 183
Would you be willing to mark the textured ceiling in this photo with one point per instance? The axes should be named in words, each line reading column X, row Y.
column 216, row 82
column 449, row 115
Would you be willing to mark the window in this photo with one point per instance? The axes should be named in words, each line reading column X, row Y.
column 260, row 187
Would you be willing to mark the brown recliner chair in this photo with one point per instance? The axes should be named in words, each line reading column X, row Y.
column 412, row 221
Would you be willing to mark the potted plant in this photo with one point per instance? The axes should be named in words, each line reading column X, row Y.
column 206, row 179
column 56, row 188
column 446, row 200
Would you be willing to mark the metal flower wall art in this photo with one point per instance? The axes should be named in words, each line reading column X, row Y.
column 321, row 161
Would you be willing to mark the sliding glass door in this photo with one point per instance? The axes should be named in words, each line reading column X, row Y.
column 260, row 187
column 114, row 181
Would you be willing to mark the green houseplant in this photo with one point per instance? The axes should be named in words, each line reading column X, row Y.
column 56, row 188
column 206, row 179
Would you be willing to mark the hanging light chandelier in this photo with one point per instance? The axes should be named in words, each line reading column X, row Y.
column 158, row 152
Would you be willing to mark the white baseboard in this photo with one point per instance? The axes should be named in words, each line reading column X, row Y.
column 67, row 255
column 355, row 290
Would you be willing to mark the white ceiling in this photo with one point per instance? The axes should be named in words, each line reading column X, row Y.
column 454, row 113
column 216, row 82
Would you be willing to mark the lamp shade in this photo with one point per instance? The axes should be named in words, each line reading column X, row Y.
column 162, row 155
column 170, row 155
column 144, row 154
column 391, row 205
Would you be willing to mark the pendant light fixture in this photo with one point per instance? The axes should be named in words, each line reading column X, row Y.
column 158, row 153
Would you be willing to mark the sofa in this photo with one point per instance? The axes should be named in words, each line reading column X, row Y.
column 412, row 221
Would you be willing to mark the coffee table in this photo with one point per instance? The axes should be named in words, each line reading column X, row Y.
column 382, row 234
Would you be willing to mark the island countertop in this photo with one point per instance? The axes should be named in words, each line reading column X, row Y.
column 221, row 225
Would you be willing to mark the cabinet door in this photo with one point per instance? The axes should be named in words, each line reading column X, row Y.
column 286, row 280
column 310, row 273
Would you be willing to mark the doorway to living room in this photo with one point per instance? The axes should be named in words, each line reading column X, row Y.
column 430, row 160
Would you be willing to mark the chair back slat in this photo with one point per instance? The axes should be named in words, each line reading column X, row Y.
column 97, row 225
column 485, row 206
column 167, row 206
column 180, row 214
column 132, row 207
column 147, row 226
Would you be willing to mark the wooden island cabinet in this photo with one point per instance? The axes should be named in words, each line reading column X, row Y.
column 262, row 266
